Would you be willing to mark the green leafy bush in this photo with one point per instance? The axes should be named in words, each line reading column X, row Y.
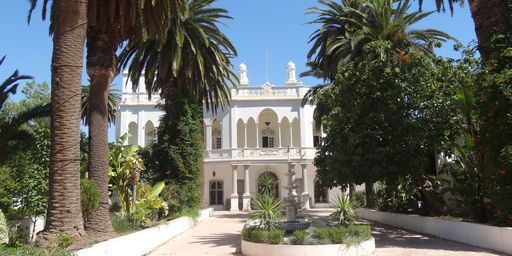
column 4, row 235
column 90, row 198
column 65, row 240
column 33, row 251
column 257, row 235
column 268, row 211
column 344, row 213
column 122, row 223
column 298, row 237
column 360, row 197
column 342, row 235
column 148, row 204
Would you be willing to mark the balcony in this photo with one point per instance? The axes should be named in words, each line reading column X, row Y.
column 259, row 154
column 139, row 98
column 268, row 90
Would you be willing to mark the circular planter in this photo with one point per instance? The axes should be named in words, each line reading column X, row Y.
column 257, row 249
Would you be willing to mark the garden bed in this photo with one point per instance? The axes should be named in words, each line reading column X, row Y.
column 484, row 236
column 259, row 249
column 337, row 240
column 144, row 241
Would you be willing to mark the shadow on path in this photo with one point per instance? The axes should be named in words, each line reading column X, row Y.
column 392, row 237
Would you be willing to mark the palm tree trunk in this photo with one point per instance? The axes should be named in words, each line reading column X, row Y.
column 490, row 17
column 64, row 215
column 370, row 194
column 101, row 67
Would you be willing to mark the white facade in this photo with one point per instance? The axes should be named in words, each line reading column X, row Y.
column 266, row 129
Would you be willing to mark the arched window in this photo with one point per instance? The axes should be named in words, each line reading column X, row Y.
column 149, row 131
column 268, row 184
column 133, row 134
column 216, row 192
column 216, row 134
column 321, row 193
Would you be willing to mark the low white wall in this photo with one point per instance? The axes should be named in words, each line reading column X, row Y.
column 257, row 249
column 26, row 226
column 144, row 241
column 485, row 236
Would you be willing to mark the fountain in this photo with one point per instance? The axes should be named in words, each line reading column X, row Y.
column 291, row 203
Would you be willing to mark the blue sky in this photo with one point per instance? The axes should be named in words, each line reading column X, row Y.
column 279, row 25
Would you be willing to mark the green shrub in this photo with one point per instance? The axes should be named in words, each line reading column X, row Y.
column 33, row 251
column 360, row 197
column 4, row 234
column 16, row 237
column 90, row 198
column 298, row 237
column 364, row 231
column 257, row 235
column 65, row 240
column 344, row 213
column 275, row 236
column 343, row 235
column 122, row 223
column 268, row 211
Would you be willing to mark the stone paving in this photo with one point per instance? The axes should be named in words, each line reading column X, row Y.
column 220, row 235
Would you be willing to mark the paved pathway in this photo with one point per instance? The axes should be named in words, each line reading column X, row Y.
column 220, row 235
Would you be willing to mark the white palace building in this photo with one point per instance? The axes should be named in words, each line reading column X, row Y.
column 265, row 130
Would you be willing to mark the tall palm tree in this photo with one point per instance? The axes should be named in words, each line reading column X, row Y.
column 113, row 99
column 68, row 27
column 12, row 137
column 347, row 27
column 194, row 61
column 111, row 23
column 490, row 17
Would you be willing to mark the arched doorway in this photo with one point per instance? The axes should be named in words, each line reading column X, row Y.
column 268, row 184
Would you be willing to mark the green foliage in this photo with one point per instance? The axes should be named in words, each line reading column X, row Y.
column 344, row 213
column 399, row 195
column 4, row 235
column 124, row 171
column 298, row 237
column 148, row 203
column 342, row 235
column 360, row 198
column 33, row 251
column 267, row 185
column 90, row 198
column 257, row 235
column 123, row 223
column 268, row 211
column 65, row 240
column 388, row 119
column 179, row 155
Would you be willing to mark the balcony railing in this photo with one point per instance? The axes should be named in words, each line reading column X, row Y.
column 260, row 153
column 139, row 98
column 269, row 91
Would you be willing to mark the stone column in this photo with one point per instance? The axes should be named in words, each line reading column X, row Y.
column 257, row 135
column 208, row 137
column 234, row 195
column 305, row 193
column 247, row 194
column 291, row 135
column 279, row 132
column 245, row 134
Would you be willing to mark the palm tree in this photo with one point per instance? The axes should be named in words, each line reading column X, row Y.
column 12, row 136
column 68, row 27
column 112, row 99
column 111, row 23
column 347, row 27
column 193, row 62
column 490, row 17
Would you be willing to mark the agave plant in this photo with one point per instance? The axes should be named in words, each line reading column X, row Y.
column 344, row 213
column 268, row 212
